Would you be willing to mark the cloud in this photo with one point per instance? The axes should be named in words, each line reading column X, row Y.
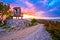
column 30, row 6
column 50, row 18
column 53, row 9
column 54, row 2
column 30, row 9
column 40, row 13
column 45, row 2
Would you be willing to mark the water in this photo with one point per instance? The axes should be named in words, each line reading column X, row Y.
column 58, row 20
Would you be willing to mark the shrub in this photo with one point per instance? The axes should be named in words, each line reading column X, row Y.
column 33, row 22
column 54, row 30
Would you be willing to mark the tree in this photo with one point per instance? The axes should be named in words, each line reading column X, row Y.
column 4, row 10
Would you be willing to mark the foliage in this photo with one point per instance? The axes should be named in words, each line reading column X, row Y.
column 9, row 15
column 54, row 29
column 4, row 8
column 33, row 22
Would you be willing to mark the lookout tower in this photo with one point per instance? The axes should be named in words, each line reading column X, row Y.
column 17, row 13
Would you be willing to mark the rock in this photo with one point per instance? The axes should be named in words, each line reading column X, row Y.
column 1, row 29
column 16, row 23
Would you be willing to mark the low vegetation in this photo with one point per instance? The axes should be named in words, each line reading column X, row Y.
column 4, row 26
column 54, row 29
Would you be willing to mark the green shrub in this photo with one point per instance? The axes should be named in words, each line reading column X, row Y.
column 33, row 22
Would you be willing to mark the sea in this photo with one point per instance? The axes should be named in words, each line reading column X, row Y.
column 58, row 20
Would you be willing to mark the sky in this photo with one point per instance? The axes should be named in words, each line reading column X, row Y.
column 45, row 8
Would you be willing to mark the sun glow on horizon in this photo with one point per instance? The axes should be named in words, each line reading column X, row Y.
column 25, row 16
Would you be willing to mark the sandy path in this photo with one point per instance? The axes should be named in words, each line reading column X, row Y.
column 21, row 34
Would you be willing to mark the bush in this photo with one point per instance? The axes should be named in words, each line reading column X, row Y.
column 54, row 30
column 33, row 22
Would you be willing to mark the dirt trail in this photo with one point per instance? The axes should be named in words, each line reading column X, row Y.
column 22, row 33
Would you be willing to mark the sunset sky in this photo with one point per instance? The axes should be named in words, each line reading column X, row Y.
column 42, row 8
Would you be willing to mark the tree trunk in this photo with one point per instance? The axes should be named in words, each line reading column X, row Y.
column 3, row 18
